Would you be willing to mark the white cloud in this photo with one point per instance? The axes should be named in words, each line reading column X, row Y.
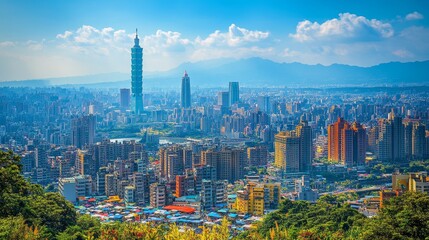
column 235, row 36
column 65, row 35
column 414, row 16
column 347, row 27
column 7, row 44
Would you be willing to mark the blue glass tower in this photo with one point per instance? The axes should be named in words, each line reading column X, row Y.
column 185, row 97
column 136, row 77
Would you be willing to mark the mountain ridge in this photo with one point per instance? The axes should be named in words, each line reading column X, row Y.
column 257, row 72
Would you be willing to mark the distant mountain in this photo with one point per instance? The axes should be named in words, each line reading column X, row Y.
column 260, row 72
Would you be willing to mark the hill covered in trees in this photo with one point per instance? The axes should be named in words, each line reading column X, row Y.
column 27, row 212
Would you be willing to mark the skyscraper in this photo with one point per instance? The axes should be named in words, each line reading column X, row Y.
column 83, row 130
column 137, row 76
column 125, row 98
column 223, row 99
column 264, row 104
column 294, row 149
column 347, row 143
column 391, row 142
column 234, row 93
column 185, row 97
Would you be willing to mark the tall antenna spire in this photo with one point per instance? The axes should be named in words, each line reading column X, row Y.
column 137, row 33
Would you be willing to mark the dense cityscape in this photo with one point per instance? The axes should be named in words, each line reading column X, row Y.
column 228, row 160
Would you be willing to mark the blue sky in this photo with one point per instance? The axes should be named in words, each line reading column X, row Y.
column 65, row 38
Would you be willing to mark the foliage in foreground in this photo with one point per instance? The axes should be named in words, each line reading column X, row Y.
column 27, row 212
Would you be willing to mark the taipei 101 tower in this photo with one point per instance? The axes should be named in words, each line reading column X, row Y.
column 136, row 77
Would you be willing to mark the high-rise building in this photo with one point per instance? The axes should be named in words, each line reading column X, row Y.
column 294, row 149
column 229, row 163
column 158, row 195
column 304, row 132
column 286, row 154
column 137, row 76
column 83, row 130
column 234, row 93
column 391, row 142
column 335, row 139
column 258, row 197
column 257, row 156
column 75, row 187
column 185, row 97
column 264, row 104
column 223, row 99
column 419, row 141
column 347, row 143
column 125, row 98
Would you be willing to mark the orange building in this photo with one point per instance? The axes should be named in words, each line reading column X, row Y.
column 334, row 139
column 347, row 143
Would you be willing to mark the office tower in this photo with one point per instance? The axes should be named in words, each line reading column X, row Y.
column 304, row 131
column 264, row 104
column 398, row 139
column 359, row 144
column 419, row 141
column 286, row 151
column 83, row 130
column 408, row 140
column 234, row 93
column 293, row 150
column 125, row 98
column 391, row 143
column 223, row 99
column 137, row 77
column 185, row 97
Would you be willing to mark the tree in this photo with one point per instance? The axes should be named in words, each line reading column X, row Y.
column 403, row 217
column 18, row 197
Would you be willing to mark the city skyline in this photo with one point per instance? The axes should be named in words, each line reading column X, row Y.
column 352, row 33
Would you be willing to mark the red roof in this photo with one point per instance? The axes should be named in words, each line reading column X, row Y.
column 180, row 209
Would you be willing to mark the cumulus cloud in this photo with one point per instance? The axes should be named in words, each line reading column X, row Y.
column 414, row 16
column 88, row 39
column 347, row 27
column 235, row 36
column 163, row 41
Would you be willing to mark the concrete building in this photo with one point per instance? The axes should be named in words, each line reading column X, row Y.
column 83, row 130
column 158, row 195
